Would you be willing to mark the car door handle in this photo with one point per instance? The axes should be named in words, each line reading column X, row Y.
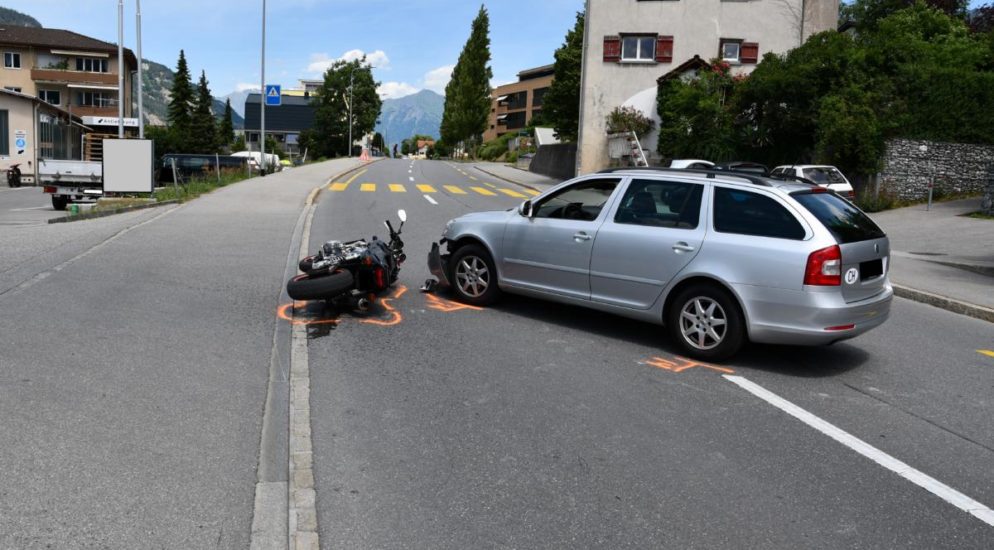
column 682, row 247
column 581, row 236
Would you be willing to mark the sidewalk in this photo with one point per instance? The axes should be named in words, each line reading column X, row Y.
column 938, row 256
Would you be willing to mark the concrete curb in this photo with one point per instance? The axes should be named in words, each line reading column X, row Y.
column 525, row 185
column 943, row 302
column 105, row 213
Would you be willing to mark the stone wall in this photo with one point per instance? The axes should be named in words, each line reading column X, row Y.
column 556, row 160
column 957, row 168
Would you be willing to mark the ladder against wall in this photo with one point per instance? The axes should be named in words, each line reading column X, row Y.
column 637, row 156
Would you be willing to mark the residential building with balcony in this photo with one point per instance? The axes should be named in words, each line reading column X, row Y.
column 630, row 44
column 514, row 105
column 73, row 72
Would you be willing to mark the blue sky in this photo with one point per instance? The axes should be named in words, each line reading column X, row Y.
column 413, row 44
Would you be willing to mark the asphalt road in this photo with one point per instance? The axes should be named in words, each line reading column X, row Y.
column 536, row 425
column 27, row 206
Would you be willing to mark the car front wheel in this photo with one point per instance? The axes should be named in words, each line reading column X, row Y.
column 474, row 276
column 706, row 323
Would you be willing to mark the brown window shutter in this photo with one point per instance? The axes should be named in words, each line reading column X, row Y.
column 612, row 49
column 749, row 52
column 664, row 49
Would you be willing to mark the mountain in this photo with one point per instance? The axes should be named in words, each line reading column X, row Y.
column 238, row 100
column 158, row 81
column 419, row 113
column 17, row 19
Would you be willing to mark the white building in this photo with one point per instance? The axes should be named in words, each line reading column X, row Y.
column 629, row 44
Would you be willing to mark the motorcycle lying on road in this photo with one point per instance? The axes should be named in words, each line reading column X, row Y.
column 350, row 274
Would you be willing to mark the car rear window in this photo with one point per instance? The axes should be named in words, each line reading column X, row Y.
column 846, row 222
column 824, row 175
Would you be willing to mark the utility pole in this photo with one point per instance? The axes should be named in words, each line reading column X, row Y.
column 262, row 95
column 141, row 105
column 120, row 69
column 351, row 83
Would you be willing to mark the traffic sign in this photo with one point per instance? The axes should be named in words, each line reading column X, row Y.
column 274, row 97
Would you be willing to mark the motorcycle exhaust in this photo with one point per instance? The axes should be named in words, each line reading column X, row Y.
column 363, row 304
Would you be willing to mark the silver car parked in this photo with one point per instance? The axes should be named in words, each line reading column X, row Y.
column 718, row 258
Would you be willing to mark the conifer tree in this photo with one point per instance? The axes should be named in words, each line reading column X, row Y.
column 181, row 100
column 203, row 138
column 226, row 131
column 561, row 104
column 467, row 96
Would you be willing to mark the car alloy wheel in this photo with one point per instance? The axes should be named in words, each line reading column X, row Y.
column 703, row 323
column 472, row 276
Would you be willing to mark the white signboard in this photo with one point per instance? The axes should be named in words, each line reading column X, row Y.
column 128, row 165
column 20, row 142
column 109, row 121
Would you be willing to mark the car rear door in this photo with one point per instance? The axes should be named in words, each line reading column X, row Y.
column 864, row 246
column 654, row 231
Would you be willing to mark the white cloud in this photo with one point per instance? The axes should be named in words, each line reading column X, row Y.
column 393, row 90
column 321, row 62
column 436, row 79
column 246, row 87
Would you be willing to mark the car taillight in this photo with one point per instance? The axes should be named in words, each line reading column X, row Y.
column 824, row 267
column 49, row 189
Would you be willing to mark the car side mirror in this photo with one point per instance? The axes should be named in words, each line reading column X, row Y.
column 525, row 209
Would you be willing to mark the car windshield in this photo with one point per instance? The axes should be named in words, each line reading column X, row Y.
column 846, row 222
column 824, row 175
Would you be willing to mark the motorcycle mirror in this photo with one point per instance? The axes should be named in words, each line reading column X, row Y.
column 402, row 214
column 387, row 225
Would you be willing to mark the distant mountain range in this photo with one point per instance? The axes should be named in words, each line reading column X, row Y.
column 419, row 113
column 157, row 79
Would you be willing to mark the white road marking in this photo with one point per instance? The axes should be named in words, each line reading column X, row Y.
column 26, row 209
column 411, row 178
column 431, row 200
column 930, row 484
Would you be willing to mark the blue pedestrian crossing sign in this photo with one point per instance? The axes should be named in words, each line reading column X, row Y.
column 274, row 97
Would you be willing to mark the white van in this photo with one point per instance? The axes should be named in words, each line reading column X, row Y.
column 822, row 175
column 255, row 159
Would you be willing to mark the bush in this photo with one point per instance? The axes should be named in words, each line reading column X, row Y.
column 629, row 119
column 867, row 201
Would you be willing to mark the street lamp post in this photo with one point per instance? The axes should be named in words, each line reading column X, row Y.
column 120, row 69
column 351, row 83
column 141, row 105
column 262, row 96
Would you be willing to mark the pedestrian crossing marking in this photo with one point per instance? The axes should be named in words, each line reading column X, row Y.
column 454, row 190
column 426, row 188
column 339, row 186
column 368, row 187
column 483, row 191
column 532, row 192
column 397, row 188
column 510, row 193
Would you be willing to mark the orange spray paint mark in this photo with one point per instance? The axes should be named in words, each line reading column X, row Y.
column 679, row 364
column 395, row 316
column 445, row 306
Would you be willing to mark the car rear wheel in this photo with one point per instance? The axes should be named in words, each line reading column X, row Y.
column 706, row 323
column 474, row 277
column 59, row 202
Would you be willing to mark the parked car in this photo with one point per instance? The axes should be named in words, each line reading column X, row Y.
column 719, row 258
column 190, row 167
column 744, row 166
column 822, row 175
column 692, row 164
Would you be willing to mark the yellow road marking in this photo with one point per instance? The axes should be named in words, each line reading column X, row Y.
column 339, row 186
column 356, row 175
column 483, row 191
column 532, row 192
column 397, row 188
column 426, row 188
column 986, row 352
column 454, row 190
column 368, row 187
column 510, row 193
column 473, row 178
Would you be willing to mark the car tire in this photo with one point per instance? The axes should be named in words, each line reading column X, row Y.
column 706, row 323
column 325, row 287
column 59, row 203
column 474, row 276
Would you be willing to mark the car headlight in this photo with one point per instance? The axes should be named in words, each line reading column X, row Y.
column 448, row 225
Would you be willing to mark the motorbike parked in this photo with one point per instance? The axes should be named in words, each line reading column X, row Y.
column 351, row 273
column 14, row 175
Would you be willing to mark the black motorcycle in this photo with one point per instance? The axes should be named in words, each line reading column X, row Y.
column 347, row 273
column 14, row 175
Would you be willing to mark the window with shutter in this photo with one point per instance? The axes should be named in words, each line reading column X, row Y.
column 749, row 52
column 612, row 48
column 664, row 49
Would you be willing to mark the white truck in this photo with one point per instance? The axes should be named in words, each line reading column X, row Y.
column 71, row 180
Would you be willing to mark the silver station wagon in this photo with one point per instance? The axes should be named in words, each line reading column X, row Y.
column 718, row 258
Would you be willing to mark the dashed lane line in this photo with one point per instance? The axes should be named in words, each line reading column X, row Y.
column 429, row 199
column 930, row 484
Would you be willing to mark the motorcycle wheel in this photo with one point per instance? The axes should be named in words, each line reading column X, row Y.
column 325, row 287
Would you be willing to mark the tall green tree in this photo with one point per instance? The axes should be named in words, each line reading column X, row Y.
column 467, row 95
column 226, row 130
column 329, row 137
column 867, row 13
column 203, row 127
column 181, row 100
column 561, row 105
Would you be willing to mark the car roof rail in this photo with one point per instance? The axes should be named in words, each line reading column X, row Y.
column 711, row 174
